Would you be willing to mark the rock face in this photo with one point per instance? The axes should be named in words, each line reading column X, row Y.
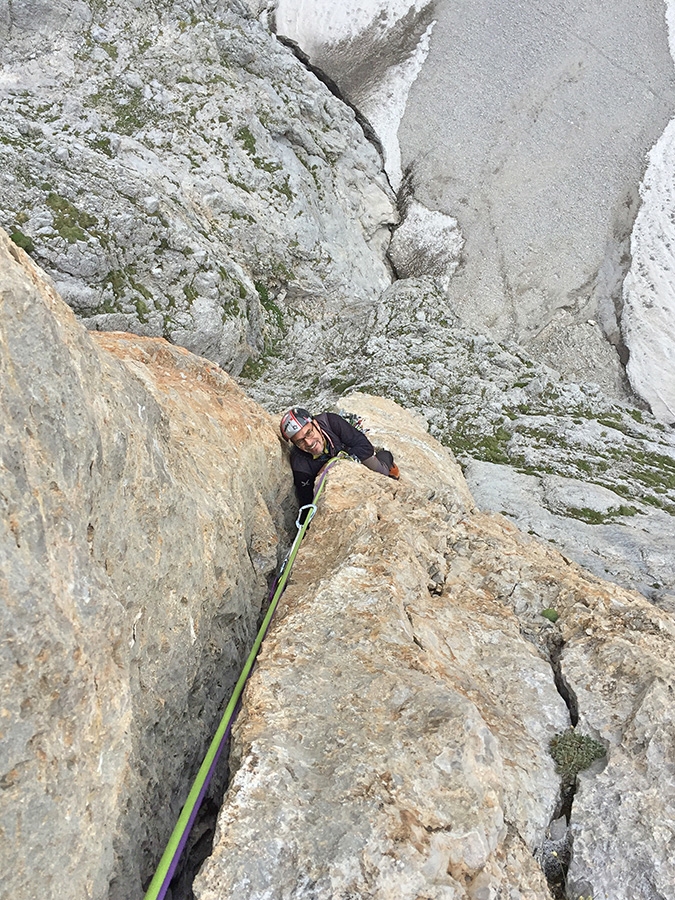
column 179, row 173
column 528, row 126
column 394, row 737
column 142, row 498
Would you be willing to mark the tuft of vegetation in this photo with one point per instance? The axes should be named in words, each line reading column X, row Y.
column 69, row 221
column 102, row 144
column 550, row 614
column 593, row 517
column 246, row 137
column 573, row 752
column 22, row 240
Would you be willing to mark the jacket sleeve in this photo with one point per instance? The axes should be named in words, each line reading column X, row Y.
column 355, row 441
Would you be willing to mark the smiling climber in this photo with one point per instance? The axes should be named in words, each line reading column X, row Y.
column 317, row 439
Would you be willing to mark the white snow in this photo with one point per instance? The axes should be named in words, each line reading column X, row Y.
column 317, row 23
column 385, row 105
column 426, row 236
column 427, row 243
column 648, row 319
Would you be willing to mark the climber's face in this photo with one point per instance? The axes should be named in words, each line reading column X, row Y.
column 310, row 439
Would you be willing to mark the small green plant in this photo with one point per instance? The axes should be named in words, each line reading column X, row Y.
column 22, row 240
column 550, row 614
column 573, row 752
column 246, row 137
column 69, row 221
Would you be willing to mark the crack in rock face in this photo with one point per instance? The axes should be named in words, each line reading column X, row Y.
column 143, row 497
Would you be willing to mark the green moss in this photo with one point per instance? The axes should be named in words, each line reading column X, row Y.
column 141, row 288
column 245, row 216
column 69, row 221
column 142, row 310
column 254, row 368
column 342, row 385
column 110, row 49
column 190, row 293
column 127, row 107
column 275, row 313
column 117, row 280
column 245, row 136
column 285, row 190
column 593, row 517
column 102, row 144
column 550, row 613
column 239, row 184
column 22, row 240
column 263, row 293
column 573, row 752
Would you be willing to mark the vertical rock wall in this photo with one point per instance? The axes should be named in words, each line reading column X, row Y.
column 142, row 497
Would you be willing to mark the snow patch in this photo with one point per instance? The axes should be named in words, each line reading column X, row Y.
column 385, row 105
column 648, row 318
column 320, row 25
column 427, row 243
column 317, row 23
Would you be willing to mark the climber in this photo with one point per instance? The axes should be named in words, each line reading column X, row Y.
column 316, row 439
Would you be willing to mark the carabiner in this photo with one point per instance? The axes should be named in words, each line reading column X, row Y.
column 298, row 523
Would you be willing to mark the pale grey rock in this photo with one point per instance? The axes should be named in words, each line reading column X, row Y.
column 617, row 661
column 623, row 821
column 197, row 160
column 142, row 502
column 633, row 550
column 529, row 125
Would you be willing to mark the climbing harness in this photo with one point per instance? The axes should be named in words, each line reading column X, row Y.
column 179, row 836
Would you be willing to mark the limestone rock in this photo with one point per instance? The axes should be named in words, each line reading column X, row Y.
column 179, row 173
column 617, row 660
column 392, row 743
column 501, row 123
column 394, row 740
column 142, row 501
column 592, row 525
column 512, row 421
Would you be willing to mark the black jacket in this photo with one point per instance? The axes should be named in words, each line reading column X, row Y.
column 341, row 436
